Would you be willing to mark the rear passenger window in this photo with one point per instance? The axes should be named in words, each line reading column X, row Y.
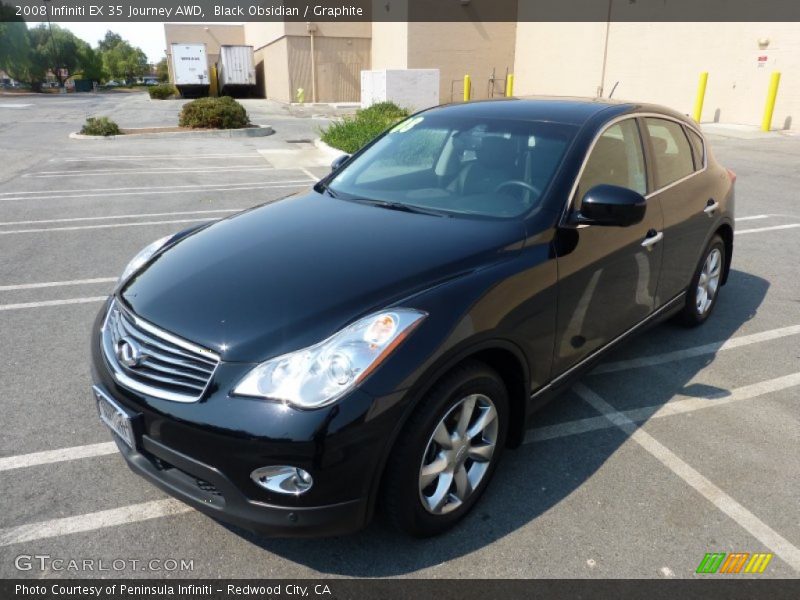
column 616, row 159
column 673, row 155
column 698, row 149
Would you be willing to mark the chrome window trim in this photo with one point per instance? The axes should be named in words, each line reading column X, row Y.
column 130, row 383
column 571, row 197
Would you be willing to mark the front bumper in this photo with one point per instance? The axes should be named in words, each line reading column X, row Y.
column 209, row 491
column 203, row 452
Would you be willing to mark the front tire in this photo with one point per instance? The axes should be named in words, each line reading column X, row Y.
column 447, row 452
column 701, row 297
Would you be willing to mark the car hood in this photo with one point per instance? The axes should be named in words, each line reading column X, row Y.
column 286, row 275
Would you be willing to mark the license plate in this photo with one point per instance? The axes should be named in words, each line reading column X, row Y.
column 115, row 417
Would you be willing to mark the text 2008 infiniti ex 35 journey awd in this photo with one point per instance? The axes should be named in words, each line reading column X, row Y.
column 378, row 340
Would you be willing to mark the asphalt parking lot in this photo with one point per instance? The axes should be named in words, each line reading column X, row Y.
column 684, row 442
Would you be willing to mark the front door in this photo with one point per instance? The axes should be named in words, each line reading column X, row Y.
column 608, row 279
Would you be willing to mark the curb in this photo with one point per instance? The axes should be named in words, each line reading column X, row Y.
column 249, row 132
column 330, row 150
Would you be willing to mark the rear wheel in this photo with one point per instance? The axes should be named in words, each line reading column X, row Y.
column 447, row 451
column 701, row 297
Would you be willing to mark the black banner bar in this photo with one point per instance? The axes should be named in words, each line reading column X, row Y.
column 400, row 10
column 710, row 588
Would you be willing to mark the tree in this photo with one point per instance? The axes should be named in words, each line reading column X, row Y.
column 162, row 70
column 91, row 62
column 121, row 60
column 15, row 50
column 57, row 48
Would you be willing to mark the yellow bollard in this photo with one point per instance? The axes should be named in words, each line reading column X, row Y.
column 467, row 88
column 701, row 96
column 509, row 85
column 772, row 94
column 213, row 88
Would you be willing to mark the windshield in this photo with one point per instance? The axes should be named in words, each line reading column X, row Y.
column 488, row 167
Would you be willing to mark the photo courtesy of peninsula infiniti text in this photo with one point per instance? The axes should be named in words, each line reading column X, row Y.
column 372, row 345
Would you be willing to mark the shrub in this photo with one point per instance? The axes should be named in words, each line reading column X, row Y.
column 100, row 126
column 214, row 113
column 352, row 133
column 162, row 91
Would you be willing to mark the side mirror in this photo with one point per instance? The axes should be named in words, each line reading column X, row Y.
column 336, row 164
column 611, row 205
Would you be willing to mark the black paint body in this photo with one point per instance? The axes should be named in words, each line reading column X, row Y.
column 537, row 298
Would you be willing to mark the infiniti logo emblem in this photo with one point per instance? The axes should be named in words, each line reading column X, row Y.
column 129, row 353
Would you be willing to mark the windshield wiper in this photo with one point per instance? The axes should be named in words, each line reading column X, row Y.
column 402, row 207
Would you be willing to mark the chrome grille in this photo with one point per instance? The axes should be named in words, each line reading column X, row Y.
column 150, row 360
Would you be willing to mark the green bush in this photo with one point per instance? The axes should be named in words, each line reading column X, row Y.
column 162, row 91
column 100, row 126
column 352, row 133
column 214, row 113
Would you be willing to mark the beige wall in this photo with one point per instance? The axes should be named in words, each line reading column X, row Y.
column 457, row 49
column 661, row 63
column 390, row 45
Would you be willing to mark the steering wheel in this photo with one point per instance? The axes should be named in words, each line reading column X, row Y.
column 520, row 183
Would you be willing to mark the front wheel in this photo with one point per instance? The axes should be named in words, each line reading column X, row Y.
column 701, row 297
column 447, row 452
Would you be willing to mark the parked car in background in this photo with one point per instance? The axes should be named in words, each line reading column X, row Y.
column 379, row 340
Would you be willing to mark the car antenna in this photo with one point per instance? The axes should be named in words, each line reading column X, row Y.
column 612, row 90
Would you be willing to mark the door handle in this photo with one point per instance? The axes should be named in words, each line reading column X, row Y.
column 653, row 237
column 711, row 206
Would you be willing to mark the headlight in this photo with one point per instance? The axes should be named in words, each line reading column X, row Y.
column 142, row 257
column 320, row 374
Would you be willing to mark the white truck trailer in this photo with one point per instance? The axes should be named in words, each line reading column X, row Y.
column 236, row 69
column 190, row 69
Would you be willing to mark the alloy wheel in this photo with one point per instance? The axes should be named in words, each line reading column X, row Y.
column 458, row 454
column 708, row 282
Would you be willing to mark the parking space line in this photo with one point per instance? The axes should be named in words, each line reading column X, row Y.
column 761, row 229
column 124, row 158
column 22, row 305
column 47, row 284
column 676, row 407
column 729, row 344
column 770, row 538
column 7, row 463
column 104, row 226
column 133, row 513
column 237, row 188
column 752, row 218
column 158, row 187
column 136, row 216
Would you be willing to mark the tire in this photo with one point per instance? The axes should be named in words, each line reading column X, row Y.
column 701, row 297
column 414, row 498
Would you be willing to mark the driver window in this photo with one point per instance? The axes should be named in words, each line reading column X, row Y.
column 616, row 159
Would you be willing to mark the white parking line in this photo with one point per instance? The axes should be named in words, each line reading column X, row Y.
column 21, row 305
column 104, row 226
column 669, row 409
column 47, row 457
column 752, row 218
column 92, row 521
column 124, row 158
column 47, row 284
column 789, row 553
column 729, row 344
column 136, row 216
column 147, row 171
column 237, row 188
column 761, row 229
column 159, row 187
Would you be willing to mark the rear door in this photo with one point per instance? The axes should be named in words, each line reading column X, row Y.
column 678, row 161
column 607, row 278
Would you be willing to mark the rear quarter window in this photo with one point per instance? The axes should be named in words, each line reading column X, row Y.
column 672, row 152
column 698, row 149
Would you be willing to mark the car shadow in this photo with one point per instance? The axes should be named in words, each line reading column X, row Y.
column 537, row 476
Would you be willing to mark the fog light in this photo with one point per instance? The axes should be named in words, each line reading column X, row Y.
column 283, row 479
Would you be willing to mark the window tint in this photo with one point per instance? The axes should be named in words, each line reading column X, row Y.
column 616, row 159
column 698, row 149
column 673, row 156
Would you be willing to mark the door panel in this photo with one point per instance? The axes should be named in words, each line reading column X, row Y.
column 607, row 280
column 683, row 191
